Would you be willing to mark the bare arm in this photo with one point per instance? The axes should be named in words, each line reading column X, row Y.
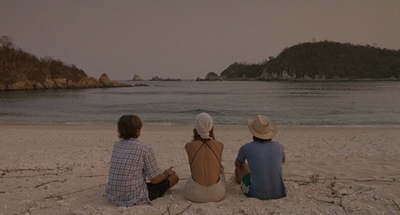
column 237, row 164
column 164, row 175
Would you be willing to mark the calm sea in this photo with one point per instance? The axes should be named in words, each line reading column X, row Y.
column 229, row 103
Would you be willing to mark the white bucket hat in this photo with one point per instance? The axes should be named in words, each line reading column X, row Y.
column 203, row 124
column 261, row 127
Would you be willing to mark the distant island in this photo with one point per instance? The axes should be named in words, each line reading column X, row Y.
column 156, row 78
column 23, row 71
column 136, row 77
column 318, row 61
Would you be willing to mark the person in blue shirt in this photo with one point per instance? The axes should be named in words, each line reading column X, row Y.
column 258, row 165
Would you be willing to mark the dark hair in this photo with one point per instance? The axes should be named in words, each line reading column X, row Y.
column 260, row 140
column 197, row 136
column 129, row 126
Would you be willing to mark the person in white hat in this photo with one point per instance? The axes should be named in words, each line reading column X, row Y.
column 258, row 165
column 207, row 181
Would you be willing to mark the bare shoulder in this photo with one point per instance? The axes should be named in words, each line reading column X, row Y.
column 218, row 144
column 190, row 145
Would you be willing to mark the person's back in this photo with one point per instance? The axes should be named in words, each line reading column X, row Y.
column 130, row 154
column 207, row 181
column 132, row 163
column 258, row 165
column 205, row 161
column 265, row 163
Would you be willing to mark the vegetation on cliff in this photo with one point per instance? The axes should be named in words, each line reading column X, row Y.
column 20, row 70
column 321, row 61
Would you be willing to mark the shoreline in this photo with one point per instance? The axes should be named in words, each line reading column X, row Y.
column 62, row 169
column 107, row 124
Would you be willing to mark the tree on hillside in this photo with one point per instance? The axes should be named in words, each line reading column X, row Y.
column 6, row 42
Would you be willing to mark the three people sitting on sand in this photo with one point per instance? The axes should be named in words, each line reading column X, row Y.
column 258, row 166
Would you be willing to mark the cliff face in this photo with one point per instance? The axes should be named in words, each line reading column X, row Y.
column 23, row 71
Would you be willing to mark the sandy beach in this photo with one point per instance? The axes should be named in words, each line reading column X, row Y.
column 63, row 169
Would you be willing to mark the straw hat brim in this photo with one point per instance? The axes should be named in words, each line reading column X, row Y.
column 269, row 133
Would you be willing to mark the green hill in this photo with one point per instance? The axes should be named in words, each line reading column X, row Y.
column 321, row 61
column 20, row 70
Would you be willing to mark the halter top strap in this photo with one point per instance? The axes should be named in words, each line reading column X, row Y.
column 204, row 143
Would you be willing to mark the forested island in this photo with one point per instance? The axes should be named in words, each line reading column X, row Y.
column 319, row 61
column 20, row 70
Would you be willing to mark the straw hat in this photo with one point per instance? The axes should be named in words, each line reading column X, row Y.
column 261, row 127
column 203, row 124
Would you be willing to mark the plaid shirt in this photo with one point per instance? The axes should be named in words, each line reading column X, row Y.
column 131, row 162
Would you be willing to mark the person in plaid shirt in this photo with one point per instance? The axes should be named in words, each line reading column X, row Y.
column 132, row 162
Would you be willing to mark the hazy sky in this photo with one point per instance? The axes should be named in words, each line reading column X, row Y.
column 188, row 39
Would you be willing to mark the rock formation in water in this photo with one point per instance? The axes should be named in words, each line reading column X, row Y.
column 212, row 76
column 106, row 82
column 136, row 77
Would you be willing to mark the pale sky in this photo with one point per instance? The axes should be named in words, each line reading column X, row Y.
column 188, row 39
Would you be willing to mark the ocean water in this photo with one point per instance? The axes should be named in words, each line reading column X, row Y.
column 368, row 103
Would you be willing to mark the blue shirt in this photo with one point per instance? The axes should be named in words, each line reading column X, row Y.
column 265, row 163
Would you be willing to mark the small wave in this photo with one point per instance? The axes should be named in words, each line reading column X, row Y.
column 197, row 111
column 9, row 114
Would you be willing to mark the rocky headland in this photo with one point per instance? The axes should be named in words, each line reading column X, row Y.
column 318, row 61
column 20, row 70
column 49, row 83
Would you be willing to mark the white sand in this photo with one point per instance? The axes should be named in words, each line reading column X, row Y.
column 62, row 169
